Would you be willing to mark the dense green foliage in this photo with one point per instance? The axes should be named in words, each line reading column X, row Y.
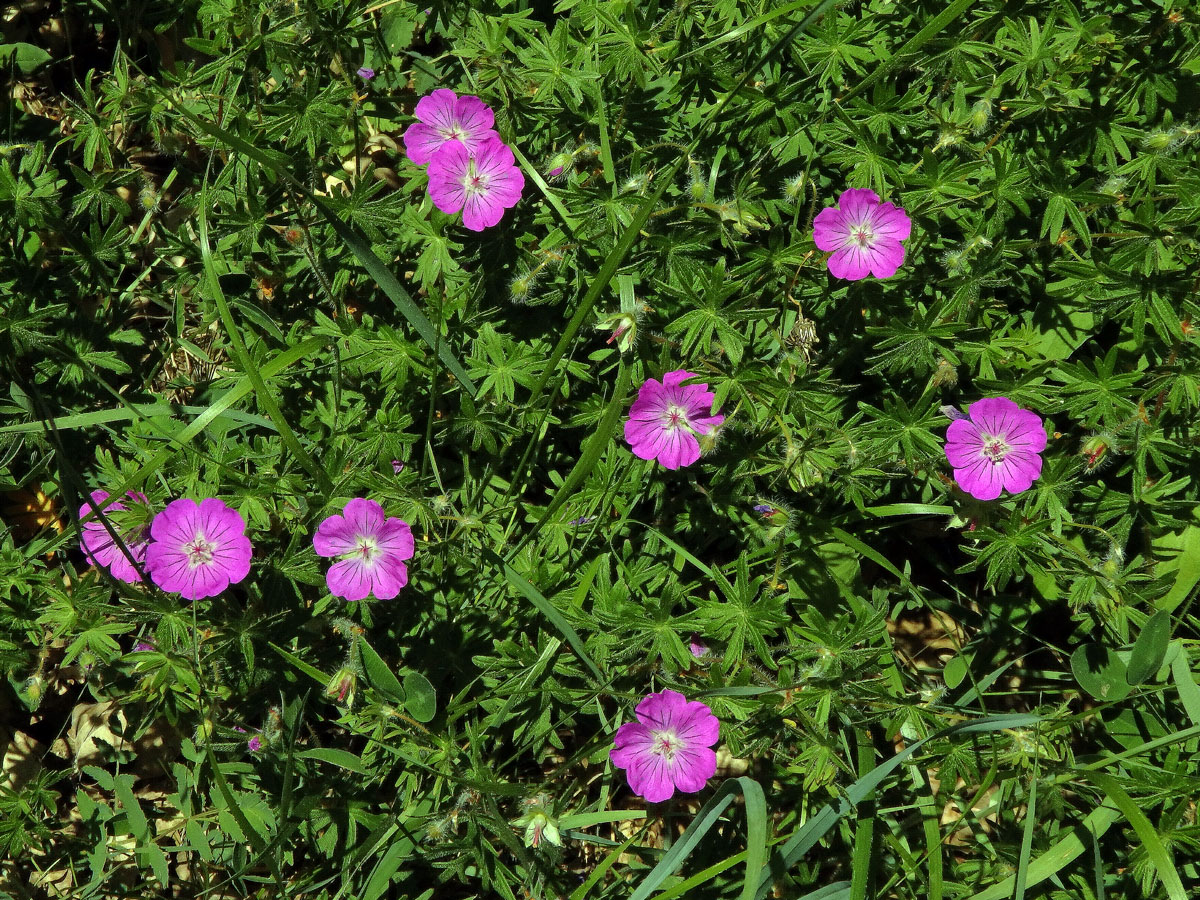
column 222, row 278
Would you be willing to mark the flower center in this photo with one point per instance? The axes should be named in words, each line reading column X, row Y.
column 199, row 551
column 366, row 549
column 675, row 416
column 473, row 182
column 995, row 448
column 862, row 235
column 666, row 744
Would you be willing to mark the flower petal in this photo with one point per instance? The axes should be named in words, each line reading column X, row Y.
column 850, row 262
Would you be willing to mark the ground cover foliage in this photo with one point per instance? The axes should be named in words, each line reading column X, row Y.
column 222, row 278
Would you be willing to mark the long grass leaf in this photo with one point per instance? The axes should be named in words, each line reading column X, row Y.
column 265, row 395
column 819, row 825
column 593, row 448
column 546, row 608
column 917, row 41
column 706, row 818
column 1146, row 832
column 375, row 266
column 1060, row 855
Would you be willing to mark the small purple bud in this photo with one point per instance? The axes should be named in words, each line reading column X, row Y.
column 142, row 646
column 582, row 520
column 255, row 744
column 699, row 648
column 765, row 509
column 397, row 466
column 952, row 413
column 366, row 74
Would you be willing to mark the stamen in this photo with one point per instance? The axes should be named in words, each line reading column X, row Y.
column 995, row 448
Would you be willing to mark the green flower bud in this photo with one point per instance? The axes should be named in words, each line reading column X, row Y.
column 341, row 686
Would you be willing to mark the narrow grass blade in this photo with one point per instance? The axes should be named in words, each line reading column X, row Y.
column 135, row 411
column 599, row 871
column 375, row 267
column 1062, row 854
column 343, row 759
column 819, row 825
column 1146, row 832
column 593, row 449
column 315, row 674
column 930, row 820
column 1189, row 692
column 709, row 815
column 862, row 856
column 875, row 556
column 932, row 29
column 546, row 608
column 265, row 395
column 587, row 820
column 909, row 509
column 746, row 27
column 1027, row 837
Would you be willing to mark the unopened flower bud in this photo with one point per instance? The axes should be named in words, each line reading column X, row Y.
column 793, row 188
column 635, row 184
column 981, row 114
column 538, row 822
column 558, row 165
column 709, row 440
column 1094, row 452
column 522, row 285
column 945, row 374
column 624, row 327
column 1114, row 561
column 341, row 686
column 32, row 691
column 1158, row 140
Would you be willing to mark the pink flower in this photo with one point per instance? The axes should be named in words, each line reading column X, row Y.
column 668, row 748
column 199, row 549
column 666, row 418
column 443, row 117
column 372, row 549
column 482, row 185
column 97, row 544
column 996, row 445
column 863, row 234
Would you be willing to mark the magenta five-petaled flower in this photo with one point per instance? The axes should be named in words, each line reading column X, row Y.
column 995, row 446
column 668, row 417
column 371, row 549
column 863, row 234
column 442, row 117
column 669, row 748
column 198, row 549
column 482, row 183
column 97, row 543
